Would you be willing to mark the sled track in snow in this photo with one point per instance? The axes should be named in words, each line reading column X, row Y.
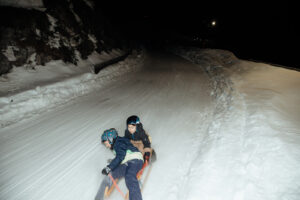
column 209, row 151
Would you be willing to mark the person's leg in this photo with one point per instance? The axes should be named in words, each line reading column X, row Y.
column 134, row 166
column 118, row 173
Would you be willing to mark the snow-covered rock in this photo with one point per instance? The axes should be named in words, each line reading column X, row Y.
column 64, row 30
column 23, row 3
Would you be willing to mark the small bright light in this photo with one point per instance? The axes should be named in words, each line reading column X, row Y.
column 213, row 23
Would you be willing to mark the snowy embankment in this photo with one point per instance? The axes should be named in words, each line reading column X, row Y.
column 251, row 150
column 25, row 92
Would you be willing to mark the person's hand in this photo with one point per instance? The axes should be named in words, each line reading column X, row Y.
column 106, row 171
column 146, row 156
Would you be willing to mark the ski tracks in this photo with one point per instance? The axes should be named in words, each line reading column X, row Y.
column 219, row 157
column 220, row 145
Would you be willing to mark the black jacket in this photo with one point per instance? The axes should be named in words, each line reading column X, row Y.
column 121, row 146
column 139, row 134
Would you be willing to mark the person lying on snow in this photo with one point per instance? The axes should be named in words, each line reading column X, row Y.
column 139, row 138
column 127, row 163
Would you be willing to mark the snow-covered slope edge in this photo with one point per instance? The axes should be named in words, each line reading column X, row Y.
column 25, row 104
column 251, row 150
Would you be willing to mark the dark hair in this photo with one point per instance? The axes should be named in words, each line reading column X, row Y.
column 133, row 120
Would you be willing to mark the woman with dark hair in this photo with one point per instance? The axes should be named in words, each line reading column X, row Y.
column 138, row 137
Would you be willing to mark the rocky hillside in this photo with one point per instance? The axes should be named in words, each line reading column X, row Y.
column 51, row 30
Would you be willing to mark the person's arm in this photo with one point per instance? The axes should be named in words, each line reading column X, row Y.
column 120, row 155
column 144, row 136
column 146, row 141
column 127, row 134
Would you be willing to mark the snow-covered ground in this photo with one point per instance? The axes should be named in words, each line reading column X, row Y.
column 27, row 91
column 223, row 128
column 252, row 146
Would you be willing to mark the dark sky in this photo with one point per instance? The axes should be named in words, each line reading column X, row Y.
column 248, row 14
column 247, row 28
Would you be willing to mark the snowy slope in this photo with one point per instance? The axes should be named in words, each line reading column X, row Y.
column 252, row 149
column 223, row 128
column 27, row 91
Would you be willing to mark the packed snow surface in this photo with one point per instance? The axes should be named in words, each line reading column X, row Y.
column 223, row 128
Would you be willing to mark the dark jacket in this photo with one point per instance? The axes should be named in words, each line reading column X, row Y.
column 139, row 135
column 120, row 146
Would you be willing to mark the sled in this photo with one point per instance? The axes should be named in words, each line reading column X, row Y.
column 108, row 190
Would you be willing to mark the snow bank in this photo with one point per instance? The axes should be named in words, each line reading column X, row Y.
column 213, row 62
column 251, row 150
column 26, row 92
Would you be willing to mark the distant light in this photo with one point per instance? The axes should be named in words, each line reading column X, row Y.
column 213, row 23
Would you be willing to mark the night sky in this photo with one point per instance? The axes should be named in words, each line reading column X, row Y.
column 251, row 29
